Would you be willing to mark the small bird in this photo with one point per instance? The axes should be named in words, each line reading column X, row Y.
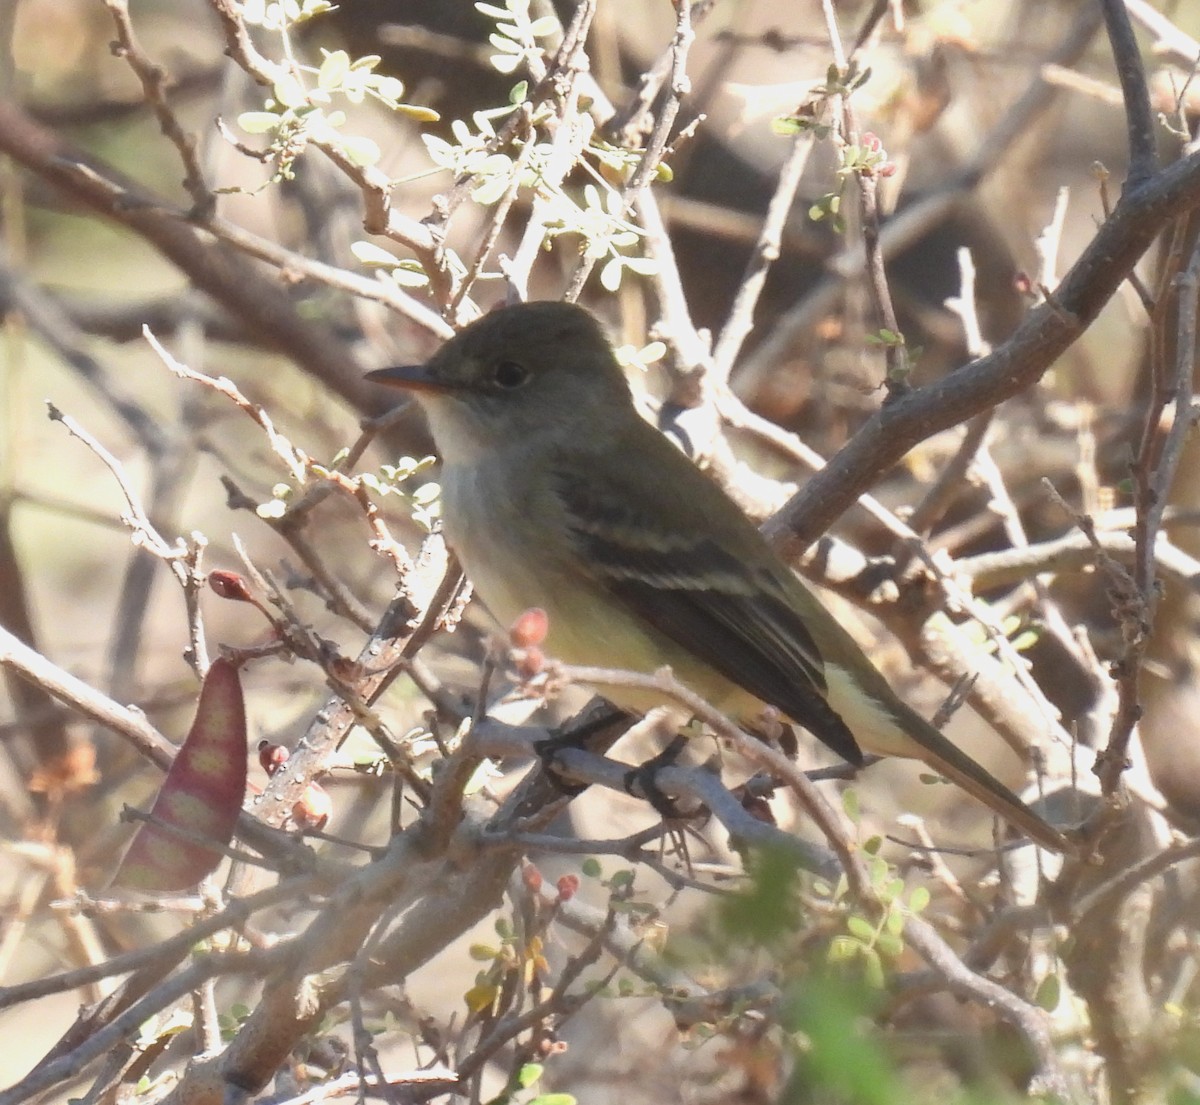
column 558, row 494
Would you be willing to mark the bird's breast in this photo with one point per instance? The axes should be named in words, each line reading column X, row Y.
column 517, row 549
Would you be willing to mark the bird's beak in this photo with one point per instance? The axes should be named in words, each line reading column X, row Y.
column 414, row 377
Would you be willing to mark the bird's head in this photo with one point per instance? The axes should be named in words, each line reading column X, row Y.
column 515, row 373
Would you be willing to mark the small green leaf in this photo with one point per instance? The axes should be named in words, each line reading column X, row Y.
column 489, row 190
column 529, row 1074
column 362, row 151
column 850, row 804
column 860, row 927
column 410, row 274
column 872, row 968
column 258, row 122
column 333, row 70
column 290, row 92
column 918, row 900
column 417, row 113
column 547, row 25
column 371, row 254
column 505, row 63
column 506, row 45
column 610, row 274
column 621, row 880
column 842, row 949
column 890, row 944
column 1049, row 993
column 643, row 266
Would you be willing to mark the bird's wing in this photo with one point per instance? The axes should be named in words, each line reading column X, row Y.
column 733, row 614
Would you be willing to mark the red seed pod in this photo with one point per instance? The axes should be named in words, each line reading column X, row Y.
column 230, row 585
column 530, row 628
column 532, row 878
column 272, row 756
column 568, row 887
column 313, row 808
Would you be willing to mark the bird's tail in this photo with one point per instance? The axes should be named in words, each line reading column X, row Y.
column 945, row 757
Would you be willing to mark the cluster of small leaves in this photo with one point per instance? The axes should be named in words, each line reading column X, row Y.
column 866, row 157
column 511, row 955
column 811, row 116
column 527, row 1078
column 869, row 941
column 474, row 156
column 300, row 110
column 230, row 1021
column 630, row 356
column 605, row 231
column 424, row 500
column 599, row 220
column 617, row 164
column 278, row 15
column 640, row 913
column 620, row 887
column 828, row 206
column 474, row 153
column 1021, row 633
column 516, row 34
column 276, row 506
column 404, row 272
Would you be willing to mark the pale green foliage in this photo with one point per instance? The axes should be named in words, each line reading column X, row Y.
column 278, row 15
column 629, row 356
column 476, row 154
column 473, row 155
column 404, row 272
column 424, row 499
column 303, row 98
column 871, row 941
column 303, row 108
column 516, row 34
column 605, row 231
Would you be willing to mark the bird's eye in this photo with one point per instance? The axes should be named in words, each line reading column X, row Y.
column 509, row 374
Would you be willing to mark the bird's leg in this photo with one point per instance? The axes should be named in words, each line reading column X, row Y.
column 596, row 728
column 641, row 783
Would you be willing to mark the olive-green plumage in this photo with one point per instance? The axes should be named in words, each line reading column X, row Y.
column 558, row 494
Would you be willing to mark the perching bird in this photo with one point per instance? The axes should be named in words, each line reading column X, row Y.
column 557, row 494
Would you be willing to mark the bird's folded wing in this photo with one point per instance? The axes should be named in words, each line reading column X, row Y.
column 734, row 616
